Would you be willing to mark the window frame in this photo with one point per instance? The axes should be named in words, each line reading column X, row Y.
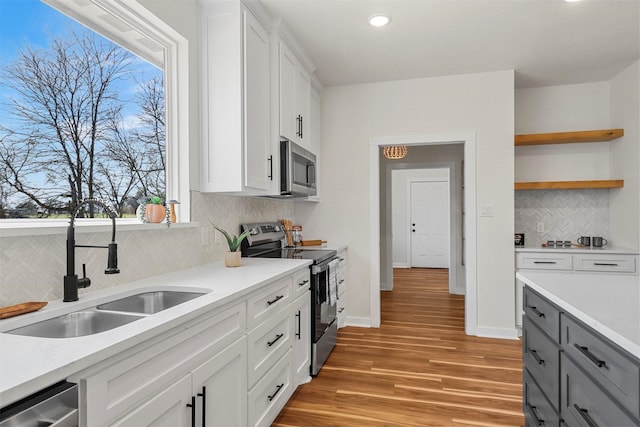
column 130, row 25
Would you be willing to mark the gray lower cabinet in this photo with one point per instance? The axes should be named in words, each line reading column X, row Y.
column 572, row 375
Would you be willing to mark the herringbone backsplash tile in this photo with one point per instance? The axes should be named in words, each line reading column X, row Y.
column 566, row 214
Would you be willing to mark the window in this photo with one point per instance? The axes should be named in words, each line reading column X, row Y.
column 133, row 27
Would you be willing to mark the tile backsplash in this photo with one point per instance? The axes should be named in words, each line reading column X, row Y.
column 566, row 214
column 32, row 267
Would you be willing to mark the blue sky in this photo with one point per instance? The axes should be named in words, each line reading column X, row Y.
column 34, row 23
column 28, row 21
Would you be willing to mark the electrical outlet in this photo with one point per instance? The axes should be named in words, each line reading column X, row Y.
column 204, row 236
column 540, row 227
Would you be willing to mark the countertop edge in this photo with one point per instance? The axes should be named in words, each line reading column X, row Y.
column 613, row 335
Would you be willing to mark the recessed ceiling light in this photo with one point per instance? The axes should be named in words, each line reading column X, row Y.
column 379, row 20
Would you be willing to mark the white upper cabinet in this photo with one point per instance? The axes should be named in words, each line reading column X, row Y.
column 294, row 97
column 236, row 146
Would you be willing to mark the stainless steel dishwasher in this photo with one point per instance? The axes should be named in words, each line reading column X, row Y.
column 55, row 406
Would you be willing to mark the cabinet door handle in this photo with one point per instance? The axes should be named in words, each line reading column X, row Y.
column 204, row 405
column 341, row 310
column 544, row 262
column 301, row 127
column 585, row 416
column 585, row 350
column 536, row 311
column 298, row 316
column 273, row 396
column 275, row 340
column 534, row 411
column 299, row 123
column 608, row 264
column 535, row 356
column 270, row 160
column 275, row 300
column 304, row 282
column 341, row 281
column 192, row 405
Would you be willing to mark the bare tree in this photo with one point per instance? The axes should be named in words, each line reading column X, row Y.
column 58, row 133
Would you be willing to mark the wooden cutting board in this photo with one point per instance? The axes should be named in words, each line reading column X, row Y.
column 25, row 307
column 313, row 242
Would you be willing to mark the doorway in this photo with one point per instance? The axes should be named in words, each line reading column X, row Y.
column 380, row 227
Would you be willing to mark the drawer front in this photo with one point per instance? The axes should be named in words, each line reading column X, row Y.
column 537, row 409
column 301, row 283
column 271, row 393
column 541, row 357
column 585, row 404
column 540, row 261
column 543, row 313
column 267, row 343
column 603, row 262
column 614, row 370
column 262, row 305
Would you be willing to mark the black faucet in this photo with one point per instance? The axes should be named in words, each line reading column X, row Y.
column 71, row 280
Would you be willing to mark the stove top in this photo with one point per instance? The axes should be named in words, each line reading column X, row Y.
column 266, row 241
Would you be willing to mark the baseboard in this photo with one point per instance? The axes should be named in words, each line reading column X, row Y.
column 507, row 334
column 360, row 322
column 395, row 265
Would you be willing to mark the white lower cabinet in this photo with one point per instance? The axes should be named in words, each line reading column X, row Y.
column 271, row 393
column 301, row 309
column 237, row 366
column 220, row 388
column 342, row 289
column 166, row 409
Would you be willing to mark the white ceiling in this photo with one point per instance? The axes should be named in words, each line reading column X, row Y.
column 547, row 42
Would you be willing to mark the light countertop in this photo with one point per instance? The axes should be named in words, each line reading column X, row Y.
column 577, row 250
column 610, row 303
column 28, row 364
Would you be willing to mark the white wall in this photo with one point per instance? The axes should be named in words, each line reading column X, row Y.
column 624, row 203
column 481, row 103
column 400, row 181
column 562, row 109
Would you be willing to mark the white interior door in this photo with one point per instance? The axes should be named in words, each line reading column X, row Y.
column 430, row 224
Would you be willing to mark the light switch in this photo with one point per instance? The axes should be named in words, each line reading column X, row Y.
column 487, row 210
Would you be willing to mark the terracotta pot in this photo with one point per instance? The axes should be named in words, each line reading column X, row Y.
column 154, row 213
column 232, row 259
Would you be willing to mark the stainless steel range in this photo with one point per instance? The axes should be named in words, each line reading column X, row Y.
column 267, row 241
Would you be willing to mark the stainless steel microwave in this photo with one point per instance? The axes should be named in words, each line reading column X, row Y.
column 297, row 170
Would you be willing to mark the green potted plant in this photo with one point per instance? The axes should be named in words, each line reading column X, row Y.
column 233, row 256
column 154, row 210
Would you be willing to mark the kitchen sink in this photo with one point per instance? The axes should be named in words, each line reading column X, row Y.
column 76, row 324
column 149, row 302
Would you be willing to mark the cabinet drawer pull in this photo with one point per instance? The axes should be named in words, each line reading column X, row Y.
column 275, row 340
column 341, row 282
column 534, row 411
column 535, row 356
column 273, row 396
column 536, row 311
column 304, row 282
column 275, row 300
column 192, row 405
column 298, row 316
column 585, row 415
column 341, row 310
column 590, row 356
column 544, row 262
column 203, row 395
column 606, row 264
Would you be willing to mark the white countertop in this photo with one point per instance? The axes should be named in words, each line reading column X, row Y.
column 610, row 303
column 577, row 250
column 28, row 364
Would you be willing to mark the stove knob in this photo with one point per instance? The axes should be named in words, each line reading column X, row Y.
column 277, row 228
column 254, row 231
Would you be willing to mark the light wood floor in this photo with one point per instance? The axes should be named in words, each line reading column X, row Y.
column 418, row 369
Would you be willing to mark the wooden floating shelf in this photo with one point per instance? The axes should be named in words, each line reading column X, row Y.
column 568, row 137
column 570, row 185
